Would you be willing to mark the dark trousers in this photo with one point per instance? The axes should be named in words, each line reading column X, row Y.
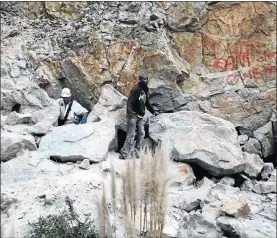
column 135, row 126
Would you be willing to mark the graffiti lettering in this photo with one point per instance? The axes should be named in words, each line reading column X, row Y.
column 269, row 56
column 242, row 59
column 233, row 62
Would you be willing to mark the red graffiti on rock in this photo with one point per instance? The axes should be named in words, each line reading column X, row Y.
column 233, row 62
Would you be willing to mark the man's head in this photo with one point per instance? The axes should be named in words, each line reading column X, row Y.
column 66, row 95
column 143, row 79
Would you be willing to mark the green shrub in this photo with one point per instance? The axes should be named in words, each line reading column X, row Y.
column 64, row 225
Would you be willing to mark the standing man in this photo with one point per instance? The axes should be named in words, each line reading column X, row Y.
column 136, row 103
column 70, row 110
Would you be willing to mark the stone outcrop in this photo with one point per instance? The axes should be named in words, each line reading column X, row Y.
column 212, row 73
column 72, row 142
column 219, row 58
column 12, row 143
column 201, row 138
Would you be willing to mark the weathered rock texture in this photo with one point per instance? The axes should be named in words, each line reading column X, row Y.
column 218, row 58
column 200, row 138
column 77, row 142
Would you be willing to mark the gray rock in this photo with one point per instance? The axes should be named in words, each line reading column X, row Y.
column 22, row 83
column 247, row 227
column 14, row 71
column 183, row 175
column 253, row 164
column 106, row 26
column 267, row 170
column 85, row 164
column 211, row 211
column 47, row 114
column 12, row 143
column 252, row 146
column 243, row 139
column 192, row 197
column 228, row 181
column 265, row 187
column 77, row 142
column 15, row 118
column 167, row 98
column 197, row 137
column 40, row 128
column 112, row 104
column 28, row 95
column 247, row 185
column 223, row 194
column 92, row 117
column 21, row 64
column 127, row 17
column 196, row 226
column 265, row 136
column 272, row 176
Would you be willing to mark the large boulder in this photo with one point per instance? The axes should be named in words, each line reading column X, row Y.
column 112, row 104
column 47, row 114
column 209, row 141
column 12, row 143
column 78, row 142
column 30, row 98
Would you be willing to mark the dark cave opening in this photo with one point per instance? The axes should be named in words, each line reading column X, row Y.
column 271, row 159
column 121, row 137
column 16, row 108
column 199, row 172
column 57, row 159
column 230, row 234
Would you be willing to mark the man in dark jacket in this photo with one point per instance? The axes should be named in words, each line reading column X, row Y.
column 136, row 103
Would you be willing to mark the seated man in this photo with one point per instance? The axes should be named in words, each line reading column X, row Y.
column 70, row 110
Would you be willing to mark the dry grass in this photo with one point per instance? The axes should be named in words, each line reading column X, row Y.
column 144, row 195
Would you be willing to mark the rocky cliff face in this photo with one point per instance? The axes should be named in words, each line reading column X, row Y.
column 217, row 58
column 211, row 67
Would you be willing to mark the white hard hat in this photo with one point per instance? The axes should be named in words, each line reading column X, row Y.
column 65, row 93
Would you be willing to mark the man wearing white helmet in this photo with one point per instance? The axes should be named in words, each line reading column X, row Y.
column 70, row 110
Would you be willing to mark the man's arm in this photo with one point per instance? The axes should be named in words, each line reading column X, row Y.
column 148, row 105
column 78, row 109
column 133, row 100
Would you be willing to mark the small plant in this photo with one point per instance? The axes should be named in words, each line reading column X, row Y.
column 64, row 225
